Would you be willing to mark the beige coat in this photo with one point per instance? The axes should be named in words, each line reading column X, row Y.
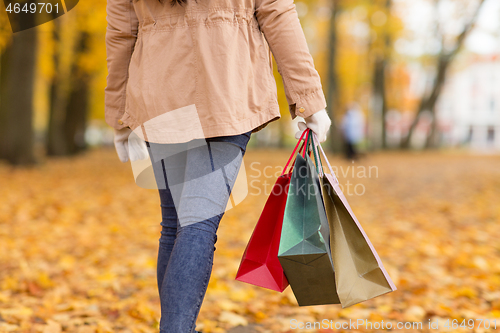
column 204, row 69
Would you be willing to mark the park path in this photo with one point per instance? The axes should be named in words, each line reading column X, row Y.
column 78, row 244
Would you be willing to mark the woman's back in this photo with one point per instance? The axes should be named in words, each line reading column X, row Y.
column 208, row 59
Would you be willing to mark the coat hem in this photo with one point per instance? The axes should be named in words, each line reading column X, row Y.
column 256, row 122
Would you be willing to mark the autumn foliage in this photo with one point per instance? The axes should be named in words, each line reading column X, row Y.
column 79, row 239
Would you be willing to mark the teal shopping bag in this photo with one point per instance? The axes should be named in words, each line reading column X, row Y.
column 304, row 250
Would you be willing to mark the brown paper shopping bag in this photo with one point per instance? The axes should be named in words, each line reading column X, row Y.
column 359, row 272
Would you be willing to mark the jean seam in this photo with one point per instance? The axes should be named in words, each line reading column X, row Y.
column 234, row 175
column 200, row 297
column 211, row 157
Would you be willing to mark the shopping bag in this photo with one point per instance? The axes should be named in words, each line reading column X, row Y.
column 304, row 250
column 359, row 272
column 260, row 265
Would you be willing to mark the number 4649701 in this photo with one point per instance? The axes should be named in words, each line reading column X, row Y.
column 471, row 323
column 32, row 7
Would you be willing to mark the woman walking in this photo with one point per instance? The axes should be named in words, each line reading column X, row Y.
column 192, row 79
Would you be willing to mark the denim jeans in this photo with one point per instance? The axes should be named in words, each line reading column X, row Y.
column 194, row 181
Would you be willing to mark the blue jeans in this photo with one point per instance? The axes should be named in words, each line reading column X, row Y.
column 194, row 181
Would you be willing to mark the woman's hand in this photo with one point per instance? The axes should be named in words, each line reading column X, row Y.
column 319, row 123
column 133, row 148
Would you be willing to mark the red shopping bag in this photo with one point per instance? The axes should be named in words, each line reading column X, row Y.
column 260, row 265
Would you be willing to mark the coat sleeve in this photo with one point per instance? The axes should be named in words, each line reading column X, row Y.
column 279, row 22
column 121, row 35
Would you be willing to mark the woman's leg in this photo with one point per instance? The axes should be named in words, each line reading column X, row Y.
column 210, row 172
column 168, row 234
column 169, row 221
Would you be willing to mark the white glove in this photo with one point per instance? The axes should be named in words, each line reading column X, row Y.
column 128, row 145
column 319, row 123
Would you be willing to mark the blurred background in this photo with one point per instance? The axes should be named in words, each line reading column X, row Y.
column 413, row 88
column 424, row 74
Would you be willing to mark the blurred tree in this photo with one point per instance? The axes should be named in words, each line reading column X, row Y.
column 5, row 41
column 364, row 33
column 381, row 53
column 78, row 101
column 443, row 62
column 16, row 96
column 69, row 89
column 332, row 95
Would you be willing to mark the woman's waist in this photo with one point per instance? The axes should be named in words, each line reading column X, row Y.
column 193, row 19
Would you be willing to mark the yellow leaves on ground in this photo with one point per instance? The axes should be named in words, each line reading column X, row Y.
column 79, row 241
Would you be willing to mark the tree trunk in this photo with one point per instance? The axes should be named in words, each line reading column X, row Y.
column 59, row 91
column 332, row 78
column 77, row 106
column 69, row 104
column 4, row 64
column 433, row 139
column 428, row 101
column 382, row 59
column 380, row 104
column 18, row 73
column 76, row 117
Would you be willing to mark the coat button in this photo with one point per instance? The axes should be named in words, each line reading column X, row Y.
column 301, row 109
column 120, row 121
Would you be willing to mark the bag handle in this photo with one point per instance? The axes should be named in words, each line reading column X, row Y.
column 317, row 159
column 326, row 159
column 308, row 137
column 294, row 151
